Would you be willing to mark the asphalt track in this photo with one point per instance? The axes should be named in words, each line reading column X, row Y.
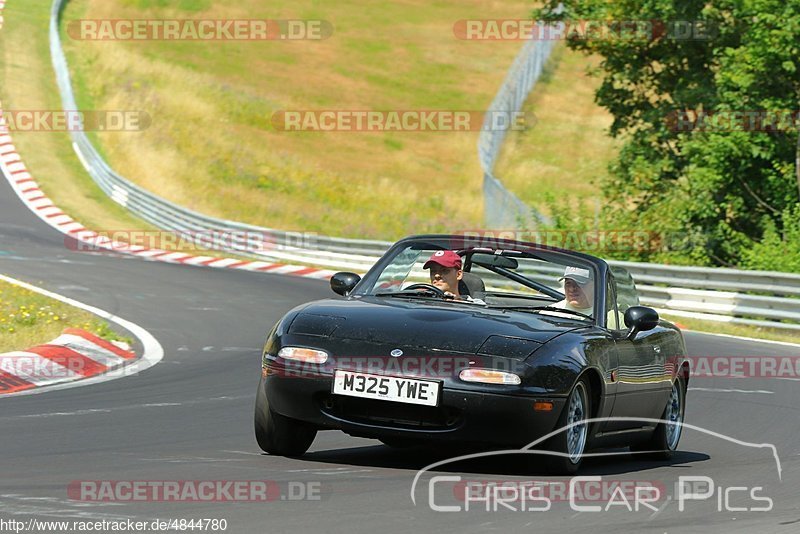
column 190, row 418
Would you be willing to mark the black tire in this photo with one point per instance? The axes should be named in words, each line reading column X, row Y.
column 570, row 456
column 277, row 434
column 663, row 443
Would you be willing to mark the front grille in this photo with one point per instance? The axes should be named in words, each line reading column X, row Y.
column 387, row 413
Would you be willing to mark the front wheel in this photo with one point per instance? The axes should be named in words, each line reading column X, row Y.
column 277, row 434
column 665, row 438
column 570, row 443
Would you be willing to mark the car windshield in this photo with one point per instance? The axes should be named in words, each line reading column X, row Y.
column 539, row 281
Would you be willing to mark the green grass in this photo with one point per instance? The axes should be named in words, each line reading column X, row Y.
column 566, row 154
column 212, row 148
column 28, row 319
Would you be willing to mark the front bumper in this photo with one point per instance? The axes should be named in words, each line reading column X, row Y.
column 463, row 416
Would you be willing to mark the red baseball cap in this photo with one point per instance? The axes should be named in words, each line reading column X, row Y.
column 445, row 258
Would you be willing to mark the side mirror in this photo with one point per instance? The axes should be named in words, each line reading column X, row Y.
column 343, row 283
column 640, row 319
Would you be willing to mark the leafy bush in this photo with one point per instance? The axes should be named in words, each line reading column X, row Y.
column 722, row 187
column 779, row 249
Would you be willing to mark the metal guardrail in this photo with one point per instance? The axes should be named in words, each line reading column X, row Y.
column 757, row 298
column 743, row 297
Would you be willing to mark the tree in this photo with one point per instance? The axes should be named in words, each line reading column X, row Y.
column 676, row 82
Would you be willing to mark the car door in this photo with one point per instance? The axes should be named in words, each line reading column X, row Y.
column 641, row 364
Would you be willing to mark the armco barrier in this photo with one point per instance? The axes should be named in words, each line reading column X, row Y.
column 743, row 297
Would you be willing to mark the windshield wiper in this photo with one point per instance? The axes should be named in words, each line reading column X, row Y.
column 536, row 309
column 539, row 298
column 402, row 293
column 425, row 295
column 556, row 309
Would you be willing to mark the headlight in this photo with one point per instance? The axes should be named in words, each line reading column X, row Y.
column 299, row 354
column 488, row 376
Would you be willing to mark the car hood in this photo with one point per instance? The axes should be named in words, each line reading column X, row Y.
column 433, row 325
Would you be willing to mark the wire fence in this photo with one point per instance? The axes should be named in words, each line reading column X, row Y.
column 502, row 208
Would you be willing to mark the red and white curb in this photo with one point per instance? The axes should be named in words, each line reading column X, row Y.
column 74, row 355
column 76, row 358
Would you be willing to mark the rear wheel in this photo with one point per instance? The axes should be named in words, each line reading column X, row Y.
column 277, row 434
column 570, row 443
column 664, row 441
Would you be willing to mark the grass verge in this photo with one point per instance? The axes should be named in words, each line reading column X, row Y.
column 28, row 319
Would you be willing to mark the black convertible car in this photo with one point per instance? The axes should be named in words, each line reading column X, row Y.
column 498, row 343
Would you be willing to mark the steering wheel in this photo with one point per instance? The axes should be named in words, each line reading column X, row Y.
column 428, row 287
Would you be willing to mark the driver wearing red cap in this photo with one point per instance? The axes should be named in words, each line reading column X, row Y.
column 445, row 270
column 446, row 273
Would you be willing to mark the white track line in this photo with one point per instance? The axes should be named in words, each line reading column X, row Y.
column 718, row 390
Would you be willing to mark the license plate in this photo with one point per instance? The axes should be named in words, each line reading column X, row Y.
column 388, row 388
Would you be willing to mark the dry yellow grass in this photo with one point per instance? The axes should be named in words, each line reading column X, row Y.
column 211, row 146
